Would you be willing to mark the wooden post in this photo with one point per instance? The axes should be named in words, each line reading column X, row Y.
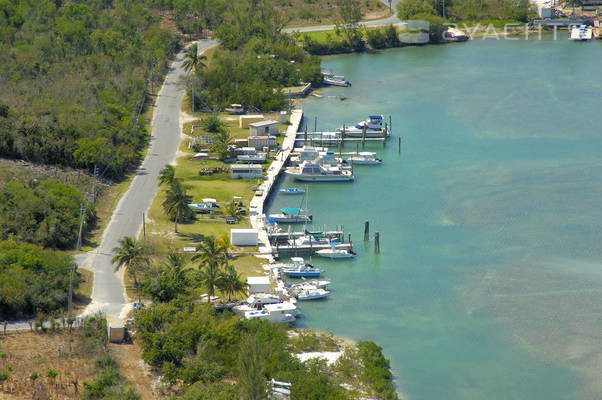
column 315, row 124
column 343, row 134
column 377, row 243
column 363, row 136
column 357, row 149
column 305, row 137
column 399, row 145
column 143, row 226
column 366, row 231
column 349, row 240
column 390, row 125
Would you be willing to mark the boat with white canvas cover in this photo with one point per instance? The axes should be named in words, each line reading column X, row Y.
column 255, row 302
column 312, row 172
column 293, row 190
column 581, row 32
column 364, row 158
column 290, row 216
column 374, row 127
column 311, row 284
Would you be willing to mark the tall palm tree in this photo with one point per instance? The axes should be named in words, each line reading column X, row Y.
column 167, row 175
column 231, row 282
column 212, row 257
column 192, row 61
column 176, row 202
column 134, row 255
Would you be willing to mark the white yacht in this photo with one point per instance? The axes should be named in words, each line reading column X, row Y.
column 278, row 312
column 374, row 127
column 255, row 302
column 581, row 32
column 312, row 172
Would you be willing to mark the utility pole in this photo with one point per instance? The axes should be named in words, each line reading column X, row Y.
column 94, row 184
column 70, row 303
column 82, row 211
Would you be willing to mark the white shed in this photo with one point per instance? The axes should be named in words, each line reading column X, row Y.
column 244, row 237
column 264, row 128
column 245, row 120
column 244, row 171
column 258, row 284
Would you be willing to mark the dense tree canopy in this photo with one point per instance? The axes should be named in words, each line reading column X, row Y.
column 74, row 78
column 32, row 280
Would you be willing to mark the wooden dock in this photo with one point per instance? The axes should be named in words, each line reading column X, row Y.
column 284, row 237
column 305, row 250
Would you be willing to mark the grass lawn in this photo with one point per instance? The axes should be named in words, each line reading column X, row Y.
column 83, row 294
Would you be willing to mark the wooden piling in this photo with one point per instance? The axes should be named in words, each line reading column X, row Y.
column 363, row 136
column 399, row 145
column 315, row 124
column 305, row 136
column 349, row 240
column 377, row 243
column 390, row 125
column 366, row 231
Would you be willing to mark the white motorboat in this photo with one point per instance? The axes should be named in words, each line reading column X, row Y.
column 312, row 172
column 278, row 312
column 332, row 81
column 290, row 216
column 364, row 158
column 581, row 32
column 306, row 240
column 312, row 284
column 333, row 252
column 312, row 294
column 255, row 302
column 373, row 125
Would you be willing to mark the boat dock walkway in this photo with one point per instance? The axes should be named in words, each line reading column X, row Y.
column 256, row 211
column 334, row 138
column 306, row 250
column 284, row 237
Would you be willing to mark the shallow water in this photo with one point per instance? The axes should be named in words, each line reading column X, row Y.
column 489, row 281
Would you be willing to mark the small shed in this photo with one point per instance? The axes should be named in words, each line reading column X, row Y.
column 245, row 120
column 116, row 333
column 258, row 284
column 243, row 171
column 260, row 142
column 244, row 237
column 266, row 128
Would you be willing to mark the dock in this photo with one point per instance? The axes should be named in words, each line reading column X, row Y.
column 256, row 211
column 284, row 237
column 305, row 250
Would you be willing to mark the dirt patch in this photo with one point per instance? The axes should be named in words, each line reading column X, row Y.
column 134, row 369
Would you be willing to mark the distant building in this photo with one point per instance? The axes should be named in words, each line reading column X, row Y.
column 245, row 120
column 246, row 171
column 260, row 142
column 264, row 128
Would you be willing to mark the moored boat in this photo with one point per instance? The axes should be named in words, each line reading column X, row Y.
column 312, row 294
column 298, row 269
column 370, row 128
column 290, row 216
column 293, row 190
column 278, row 312
column 364, row 158
column 333, row 252
column 581, row 32
column 312, row 172
column 332, row 81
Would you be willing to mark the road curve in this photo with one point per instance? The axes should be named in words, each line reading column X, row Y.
column 108, row 294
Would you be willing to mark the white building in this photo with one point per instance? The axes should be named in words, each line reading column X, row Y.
column 244, row 237
column 245, row 171
column 260, row 142
column 258, row 284
column 264, row 128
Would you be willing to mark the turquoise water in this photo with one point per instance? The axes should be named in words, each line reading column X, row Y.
column 489, row 281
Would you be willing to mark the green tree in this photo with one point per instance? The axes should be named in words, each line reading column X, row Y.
column 167, row 175
column 169, row 279
column 134, row 255
column 192, row 60
column 408, row 9
column 349, row 15
column 221, row 142
column 176, row 202
column 251, row 369
column 232, row 209
column 436, row 26
column 230, row 282
column 212, row 256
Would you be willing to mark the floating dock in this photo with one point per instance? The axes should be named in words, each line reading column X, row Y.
column 284, row 237
column 306, row 250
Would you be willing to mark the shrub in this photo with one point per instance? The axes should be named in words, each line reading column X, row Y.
column 51, row 373
column 34, row 375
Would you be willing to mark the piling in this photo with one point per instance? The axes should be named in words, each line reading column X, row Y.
column 305, row 137
column 377, row 243
column 390, row 125
column 363, row 136
column 366, row 231
column 315, row 124
column 399, row 145
column 357, row 148
column 349, row 239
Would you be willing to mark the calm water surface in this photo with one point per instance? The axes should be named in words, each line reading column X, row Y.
column 489, row 281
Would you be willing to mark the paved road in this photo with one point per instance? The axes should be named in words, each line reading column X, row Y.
column 108, row 294
column 377, row 22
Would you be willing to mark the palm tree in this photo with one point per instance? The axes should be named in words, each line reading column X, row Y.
column 192, row 60
column 232, row 210
column 167, row 175
column 231, row 282
column 176, row 202
column 134, row 255
column 212, row 256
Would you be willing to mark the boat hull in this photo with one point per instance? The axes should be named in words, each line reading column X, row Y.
column 306, row 274
column 335, row 255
